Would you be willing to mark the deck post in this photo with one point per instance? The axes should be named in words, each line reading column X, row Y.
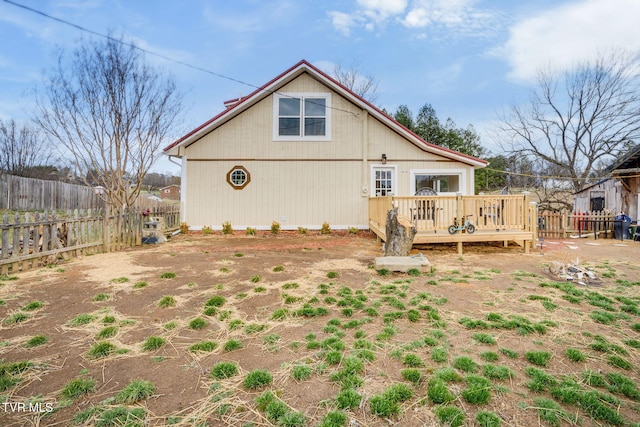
column 459, row 245
column 459, row 208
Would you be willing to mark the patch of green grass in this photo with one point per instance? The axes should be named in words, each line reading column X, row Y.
column 167, row 301
column 621, row 384
column 232, row 345
column 32, row 306
column 483, row 338
column 101, row 297
column 439, row 355
column 108, row 320
column 301, row 372
column 222, row 370
column 603, row 317
column 153, row 343
column 593, row 379
column 205, row 346
column 82, row 319
column 489, row 356
column 168, row 275
column 78, row 387
column 122, row 416
column 539, row 358
column 140, row 284
column 254, row 328
column 438, row 392
column 36, row 341
column 619, row 362
column 478, row 391
column 540, row 380
column 17, row 317
column 412, row 360
column 488, row 419
column 412, row 375
column 197, row 323
column 549, row 411
column 465, row 364
column 348, row 399
column 387, row 403
column 255, row 279
column 119, row 280
column 101, row 349
column 257, row 378
column 333, row 275
column 575, row 355
column 334, row 419
column 278, row 268
column 216, row 301
column 495, row 372
column 170, row 325
column 135, row 391
column 450, row 416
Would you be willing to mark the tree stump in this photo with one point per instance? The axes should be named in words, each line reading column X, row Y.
column 400, row 233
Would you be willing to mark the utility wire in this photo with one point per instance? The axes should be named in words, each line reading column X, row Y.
column 159, row 55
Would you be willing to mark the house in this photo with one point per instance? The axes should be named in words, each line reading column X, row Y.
column 303, row 150
column 171, row 192
column 616, row 193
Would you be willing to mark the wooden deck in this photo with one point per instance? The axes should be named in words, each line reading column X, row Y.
column 497, row 218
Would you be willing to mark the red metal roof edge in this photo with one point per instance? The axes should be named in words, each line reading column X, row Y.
column 243, row 99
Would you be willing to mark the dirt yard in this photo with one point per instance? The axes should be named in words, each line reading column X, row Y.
column 336, row 342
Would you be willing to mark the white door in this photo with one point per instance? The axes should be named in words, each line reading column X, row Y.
column 383, row 181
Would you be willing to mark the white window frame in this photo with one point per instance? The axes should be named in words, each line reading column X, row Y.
column 461, row 173
column 302, row 96
column 394, row 178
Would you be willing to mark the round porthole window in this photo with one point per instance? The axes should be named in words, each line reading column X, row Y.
column 238, row 177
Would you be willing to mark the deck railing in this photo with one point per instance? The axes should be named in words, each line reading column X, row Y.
column 437, row 213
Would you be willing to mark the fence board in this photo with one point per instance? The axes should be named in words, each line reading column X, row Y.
column 558, row 225
column 44, row 238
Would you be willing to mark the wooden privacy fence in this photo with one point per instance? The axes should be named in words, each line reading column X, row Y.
column 29, row 194
column 33, row 240
column 562, row 224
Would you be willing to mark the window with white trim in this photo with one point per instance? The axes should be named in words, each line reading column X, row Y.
column 444, row 181
column 302, row 116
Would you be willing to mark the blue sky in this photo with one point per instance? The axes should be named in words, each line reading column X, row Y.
column 469, row 59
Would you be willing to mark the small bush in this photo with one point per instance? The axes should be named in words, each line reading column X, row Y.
column 227, row 228
column 303, row 230
column 353, row 230
column 255, row 279
column 184, row 228
column 222, row 370
column 168, row 275
column 275, row 227
column 250, row 231
column 257, row 378
column 207, row 230
column 325, row 228
column 332, row 275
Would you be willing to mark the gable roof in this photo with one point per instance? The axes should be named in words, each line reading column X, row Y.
column 236, row 106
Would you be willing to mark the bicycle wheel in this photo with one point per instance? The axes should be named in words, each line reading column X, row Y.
column 452, row 229
column 471, row 228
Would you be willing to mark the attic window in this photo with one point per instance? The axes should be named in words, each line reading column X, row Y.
column 238, row 177
column 302, row 116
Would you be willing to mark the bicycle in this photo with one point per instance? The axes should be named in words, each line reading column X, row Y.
column 467, row 225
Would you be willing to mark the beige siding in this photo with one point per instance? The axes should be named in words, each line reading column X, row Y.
column 300, row 183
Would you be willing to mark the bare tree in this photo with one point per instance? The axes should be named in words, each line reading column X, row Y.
column 363, row 85
column 22, row 149
column 580, row 118
column 111, row 112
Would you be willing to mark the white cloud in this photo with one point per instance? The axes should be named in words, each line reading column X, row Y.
column 458, row 17
column 570, row 34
